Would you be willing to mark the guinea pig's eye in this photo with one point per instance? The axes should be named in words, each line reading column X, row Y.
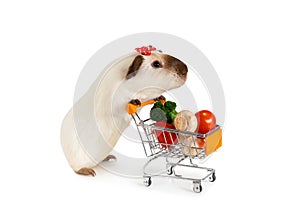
column 156, row 64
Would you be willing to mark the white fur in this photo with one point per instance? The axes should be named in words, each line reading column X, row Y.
column 104, row 106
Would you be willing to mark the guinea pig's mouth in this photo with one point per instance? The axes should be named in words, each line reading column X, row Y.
column 181, row 72
column 179, row 77
column 183, row 77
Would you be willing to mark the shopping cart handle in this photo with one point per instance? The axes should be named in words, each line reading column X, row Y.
column 132, row 108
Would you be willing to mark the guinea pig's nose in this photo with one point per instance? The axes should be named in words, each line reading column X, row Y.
column 181, row 68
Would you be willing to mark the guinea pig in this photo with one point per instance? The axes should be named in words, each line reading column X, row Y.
column 94, row 124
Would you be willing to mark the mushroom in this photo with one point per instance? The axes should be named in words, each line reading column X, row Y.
column 191, row 145
column 187, row 121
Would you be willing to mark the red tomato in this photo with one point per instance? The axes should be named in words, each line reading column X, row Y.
column 200, row 142
column 165, row 137
column 206, row 121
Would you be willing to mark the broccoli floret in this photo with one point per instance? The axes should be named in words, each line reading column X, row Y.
column 158, row 105
column 157, row 114
column 171, row 116
column 163, row 112
column 169, row 105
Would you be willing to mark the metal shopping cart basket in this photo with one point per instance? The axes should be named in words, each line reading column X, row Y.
column 179, row 148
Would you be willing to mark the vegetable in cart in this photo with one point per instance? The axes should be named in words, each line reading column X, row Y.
column 164, row 112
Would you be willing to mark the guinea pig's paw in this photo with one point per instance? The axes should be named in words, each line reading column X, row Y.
column 110, row 158
column 160, row 98
column 86, row 171
column 135, row 102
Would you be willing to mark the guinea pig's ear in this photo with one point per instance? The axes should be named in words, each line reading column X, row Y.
column 134, row 67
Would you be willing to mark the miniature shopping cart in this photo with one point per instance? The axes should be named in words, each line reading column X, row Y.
column 179, row 148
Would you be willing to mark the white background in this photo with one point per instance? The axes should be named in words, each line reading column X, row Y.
column 254, row 47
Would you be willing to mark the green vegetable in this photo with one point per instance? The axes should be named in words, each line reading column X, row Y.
column 171, row 116
column 170, row 105
column 157, row 114
column 163, row 112
column 158, row 105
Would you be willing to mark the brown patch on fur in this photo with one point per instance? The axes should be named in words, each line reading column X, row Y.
column 134, row 67
column 175, row 65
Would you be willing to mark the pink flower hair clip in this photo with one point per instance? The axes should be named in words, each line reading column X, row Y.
column 146, row 50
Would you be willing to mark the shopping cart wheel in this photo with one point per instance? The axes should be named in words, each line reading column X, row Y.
column 147, row 181
column 212, row 177
column 170, row 170
column 197, row 188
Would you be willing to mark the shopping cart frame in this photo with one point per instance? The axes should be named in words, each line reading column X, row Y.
column 172, row 152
